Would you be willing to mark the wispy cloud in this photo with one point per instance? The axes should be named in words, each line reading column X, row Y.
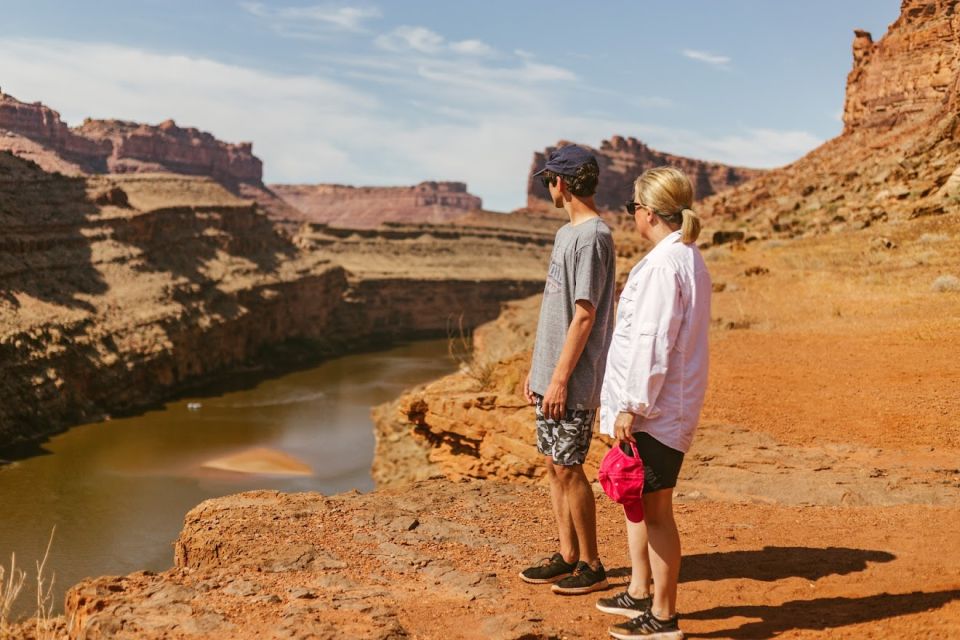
column 423, row 40
column 443, row 114
column 709, row 58
column 313, row 20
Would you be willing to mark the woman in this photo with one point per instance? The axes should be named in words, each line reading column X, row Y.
column 653, row 389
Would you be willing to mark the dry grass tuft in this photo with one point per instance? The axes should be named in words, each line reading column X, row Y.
column 461, row 351
column 11, row 583
column 45, row 625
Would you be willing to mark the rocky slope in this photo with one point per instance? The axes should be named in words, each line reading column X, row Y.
column 898, row 156
column 621, row 160
column 36, row 132
column 366, row 207
column 117, row 290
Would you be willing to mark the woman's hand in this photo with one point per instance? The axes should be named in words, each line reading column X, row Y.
column 623, row 427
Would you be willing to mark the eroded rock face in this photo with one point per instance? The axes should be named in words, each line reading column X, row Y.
column 622, row 159
column 365, row 207
column 114, row 146
column 899, row 147
column 910, row 74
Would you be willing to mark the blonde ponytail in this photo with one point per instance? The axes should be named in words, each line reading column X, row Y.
column 669, row 192
column 690, row 229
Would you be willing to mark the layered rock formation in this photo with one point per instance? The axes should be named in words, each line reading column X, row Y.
column 621, row 160
column 898, row 156
column 358, row 207
column 117, row 290
column 114, row 146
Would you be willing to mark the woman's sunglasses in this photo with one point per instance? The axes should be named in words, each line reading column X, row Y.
column 631, row 206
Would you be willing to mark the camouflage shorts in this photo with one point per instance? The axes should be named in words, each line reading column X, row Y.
column 567, row 440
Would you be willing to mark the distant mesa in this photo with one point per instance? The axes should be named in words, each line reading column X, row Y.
column 366, row 207
column 898, row 156
column 622, row 159
column 36, row 132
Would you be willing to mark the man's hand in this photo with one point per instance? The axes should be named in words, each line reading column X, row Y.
column 526, row 391
column 555, row 401
column 623, row 427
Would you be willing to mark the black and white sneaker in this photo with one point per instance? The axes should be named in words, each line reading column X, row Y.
column 585, row 579
column 549, row 570
column 647, row 626
column 623, row 604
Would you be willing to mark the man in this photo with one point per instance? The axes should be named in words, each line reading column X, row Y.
column 573, row 335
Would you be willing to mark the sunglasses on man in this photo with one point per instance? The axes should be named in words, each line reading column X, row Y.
column 548, row 181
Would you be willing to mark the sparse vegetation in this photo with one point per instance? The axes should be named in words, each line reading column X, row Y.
column 933, row 238
column 461, row 351
column 12, row 582
column 946, row 283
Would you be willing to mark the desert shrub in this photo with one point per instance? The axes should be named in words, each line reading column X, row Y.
column 946, row 283
column 933, row 238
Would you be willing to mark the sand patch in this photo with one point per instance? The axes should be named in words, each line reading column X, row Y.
column 260, row 460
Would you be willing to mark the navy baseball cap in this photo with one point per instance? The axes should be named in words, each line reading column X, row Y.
column 566, row 160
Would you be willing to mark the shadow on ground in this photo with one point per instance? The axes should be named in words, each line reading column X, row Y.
column 819, row 614
column 773, row 563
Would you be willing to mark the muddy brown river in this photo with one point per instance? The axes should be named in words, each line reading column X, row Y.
column 117, row 490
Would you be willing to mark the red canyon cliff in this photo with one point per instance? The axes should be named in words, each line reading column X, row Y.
column 899, row 154
column 37, row 133
column 621, row 160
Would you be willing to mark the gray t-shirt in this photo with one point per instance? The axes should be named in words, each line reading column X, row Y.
column 581, row 268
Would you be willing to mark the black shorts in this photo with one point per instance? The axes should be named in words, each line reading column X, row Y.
column 661, row 464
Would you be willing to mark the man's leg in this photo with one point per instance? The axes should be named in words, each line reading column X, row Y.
column 640, row 573
column 569, row 547
column 664, row 545
column 581, row 509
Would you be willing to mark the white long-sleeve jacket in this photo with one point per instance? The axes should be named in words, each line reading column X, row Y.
column 657, row 363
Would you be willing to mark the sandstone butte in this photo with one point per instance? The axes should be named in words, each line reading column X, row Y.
column 899, row 155
column 622, row 159
column 820, row 498
column 367, row 207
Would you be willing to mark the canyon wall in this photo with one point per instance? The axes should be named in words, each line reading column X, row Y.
column 621, row 160
column 115, row 146
column 116, row 291
column 359, row 207
column 898, row 157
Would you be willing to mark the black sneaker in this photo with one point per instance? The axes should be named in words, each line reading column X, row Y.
column 549, row 570
column 623, row 604
column 646, row 626
column 584, row 580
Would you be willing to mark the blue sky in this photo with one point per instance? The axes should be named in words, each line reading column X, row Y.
column 397, row 92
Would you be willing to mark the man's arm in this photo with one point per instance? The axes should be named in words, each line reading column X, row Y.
column 555, row 399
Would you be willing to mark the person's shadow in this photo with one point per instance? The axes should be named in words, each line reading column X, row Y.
column 819, row 614
column 773, row 563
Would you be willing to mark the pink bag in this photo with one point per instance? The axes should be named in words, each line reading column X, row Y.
column 622, row 479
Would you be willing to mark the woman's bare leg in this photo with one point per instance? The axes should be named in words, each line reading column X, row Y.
column 664, row 551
